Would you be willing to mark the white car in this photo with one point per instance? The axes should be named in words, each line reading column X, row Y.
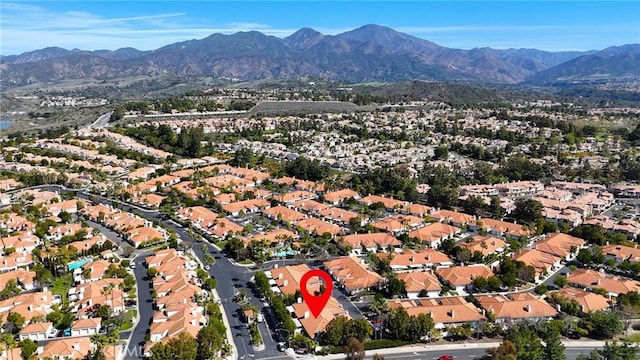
column 207, row 267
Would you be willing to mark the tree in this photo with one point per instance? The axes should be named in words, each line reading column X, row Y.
column 506, row 351
column 29, row 347
column 553, row 349
column 210, row 339
column 183, row 347
column 440, row 153
column 16, row 319
column 604, row 324
column 617, row 351
column 353, row 349
column 527, row 342
column 527, row 211
column 561, row 281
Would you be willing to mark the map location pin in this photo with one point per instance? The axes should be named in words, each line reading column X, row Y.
column 316, row 303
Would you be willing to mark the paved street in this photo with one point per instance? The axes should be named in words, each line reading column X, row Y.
column 145, row 309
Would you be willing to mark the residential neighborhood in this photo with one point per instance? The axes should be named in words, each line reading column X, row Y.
column 112, row 246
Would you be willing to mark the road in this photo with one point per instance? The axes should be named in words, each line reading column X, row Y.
column 102, row 121
column 145, row 309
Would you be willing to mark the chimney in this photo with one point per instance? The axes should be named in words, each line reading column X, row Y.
column 76, row 346
column 306, row 314
column 299, row 300
column 451, row 313
column 528, row 308
column 285, row 283
column 275, row 266
column 280, row 276
column 598, row 282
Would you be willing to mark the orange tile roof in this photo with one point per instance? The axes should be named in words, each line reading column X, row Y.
column 484, row 244
column 284, row 213
column 442, row 311
column 588, row 301
column 389, row 203
column 464, row 275
column 559, row 244
column 434, row 232
column 340, row 195
column 71, row 348
column 622, row 253
column 539, row 260
column 520, row 306
column 313, row 325
column 418, row 281
column 309, row 205
column 274, row 236
column 380, row 240
column 420, row 258
column 288, row 278
column 492, row 225
column 319, row 227
column 451, row 216
column 594, row 279
column 353, row 274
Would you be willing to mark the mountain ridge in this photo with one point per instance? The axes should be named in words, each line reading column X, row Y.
column 368, row 53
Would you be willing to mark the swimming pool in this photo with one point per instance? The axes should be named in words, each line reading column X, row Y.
column 78, row 264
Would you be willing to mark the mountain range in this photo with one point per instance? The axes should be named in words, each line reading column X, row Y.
column 368, row 53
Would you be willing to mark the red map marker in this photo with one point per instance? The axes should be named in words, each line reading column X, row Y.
column 316, row 303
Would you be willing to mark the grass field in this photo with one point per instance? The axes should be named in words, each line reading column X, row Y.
column 62, row 285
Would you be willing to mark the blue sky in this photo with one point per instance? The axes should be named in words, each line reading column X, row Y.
column 92, row 25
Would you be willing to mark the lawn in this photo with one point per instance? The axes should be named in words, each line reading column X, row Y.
column 633, row 338
column 62, row 285
column 129, row 316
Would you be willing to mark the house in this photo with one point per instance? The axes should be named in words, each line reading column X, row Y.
column 24, row 278
column 86, row 327
column 590, row 280
column 420, row 260
column 224, row 227
column 390, row 204
column 484, row 244
column 286, row 279
column 433, row 234
column 200, row 216
column 310, row 206
column 313, row 326
column 353, row 275
column 541, row 262
column 66, row 348
column 318, row 227
column 28, row 304
column 339, row 196
column 360, row 243
column 460, row 278
column 143, row 236
column 416, row 210
column 588, row 301
column 276, row 237
column 340, row 216
column 398, row 223
column 517, row 306
column 284, row 214
column 561, row 245
column 246, row 206
column 621, row 253
column 445, row 312
column 38, row 331
column 500, row 228
column 451, row 217
column 420, row 282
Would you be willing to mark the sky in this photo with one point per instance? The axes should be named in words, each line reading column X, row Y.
column 145, row 25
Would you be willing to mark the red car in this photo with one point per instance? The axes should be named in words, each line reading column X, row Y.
column 445, row 357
